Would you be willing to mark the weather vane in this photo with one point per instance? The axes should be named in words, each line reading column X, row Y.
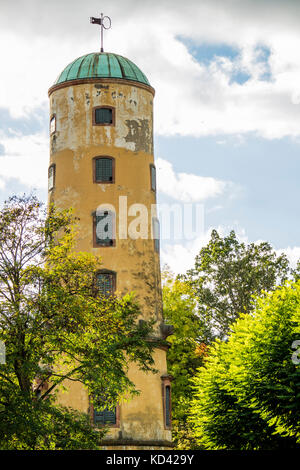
column 104, row 22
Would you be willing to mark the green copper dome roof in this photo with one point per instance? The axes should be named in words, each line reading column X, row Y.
column 102, row 65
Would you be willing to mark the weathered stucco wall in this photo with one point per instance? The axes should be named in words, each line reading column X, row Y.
column 73, row 105
column 74, row 144
column 141, row 418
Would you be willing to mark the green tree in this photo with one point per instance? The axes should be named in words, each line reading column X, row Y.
column 247, row 395
column 185, row 354
column 226, row 275
column 40, row 425
column 55, row 327
column 296, row 272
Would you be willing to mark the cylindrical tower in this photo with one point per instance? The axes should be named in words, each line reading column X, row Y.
column 101, row 154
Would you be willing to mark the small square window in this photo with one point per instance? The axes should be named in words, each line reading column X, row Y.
column 103, row 170
column 53, row 124
column 106, row 281
column 105, row 416
column 108, row 417
column 103, row 116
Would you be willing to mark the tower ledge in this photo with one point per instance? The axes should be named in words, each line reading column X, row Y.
column 103, row 81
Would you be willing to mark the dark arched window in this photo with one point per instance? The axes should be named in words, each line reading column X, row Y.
column 51, row 177
column 168, row 406
column 106, row 283
column 153, row 177
column 104, row 228
column 105, row 417
column 155, row 233
column 104, row 170
column 166, row 392
column 53, row 124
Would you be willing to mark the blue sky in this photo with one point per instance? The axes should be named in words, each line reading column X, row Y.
column 207, row 53
column 227, row 105
column 266, row 174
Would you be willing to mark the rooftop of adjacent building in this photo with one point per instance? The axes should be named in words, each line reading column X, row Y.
column 102, row 65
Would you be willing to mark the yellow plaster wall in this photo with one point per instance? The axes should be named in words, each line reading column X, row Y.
column 73, row 146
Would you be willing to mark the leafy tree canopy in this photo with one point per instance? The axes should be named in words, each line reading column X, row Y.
column 226, row 275
column 55, row 327
column 247, row 395
column 185, row 354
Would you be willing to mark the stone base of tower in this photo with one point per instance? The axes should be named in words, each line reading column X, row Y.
column 140, row 422
column 129, row 444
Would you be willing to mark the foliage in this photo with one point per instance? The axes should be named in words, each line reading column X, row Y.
column 203, row 304
column 185, row 354
column 55, row 325
column 39, row 425
column 226, row 275
column 296, row 272
column 247, row 395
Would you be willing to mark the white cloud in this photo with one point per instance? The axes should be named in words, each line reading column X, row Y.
column 192, row 98
column 181, row 256
column 26, row 80
column 292, row 253
column 203, row 101
column 26, row 159
column 186, row 187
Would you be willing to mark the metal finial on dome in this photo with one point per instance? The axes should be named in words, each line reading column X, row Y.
column 101, row 22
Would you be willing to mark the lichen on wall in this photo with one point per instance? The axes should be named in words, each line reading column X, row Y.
column 140, row 134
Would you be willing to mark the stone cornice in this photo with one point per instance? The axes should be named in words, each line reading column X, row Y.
column 81, row 81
